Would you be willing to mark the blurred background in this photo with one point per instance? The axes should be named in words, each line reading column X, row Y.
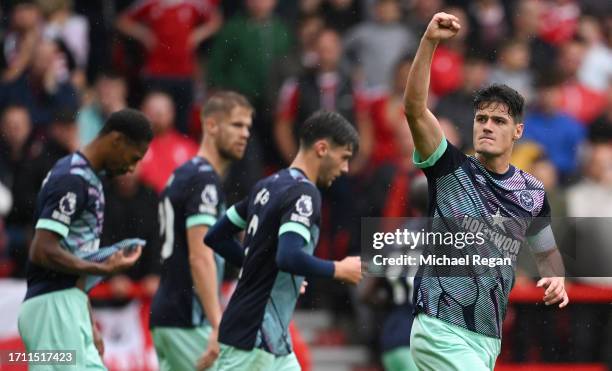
column 65, row 65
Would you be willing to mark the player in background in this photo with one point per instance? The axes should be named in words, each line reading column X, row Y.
column 459, row 319
column 56, row 315
column 186, row 312
column 281, row 217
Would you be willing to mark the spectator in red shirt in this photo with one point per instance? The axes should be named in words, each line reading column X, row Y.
column 169, row 148
column 327, row 87
column 171, row 30
column 576, row 99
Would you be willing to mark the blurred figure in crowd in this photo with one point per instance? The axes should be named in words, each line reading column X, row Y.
column 457, row 106
column 512, row 68
column 170, row 32
column 169, row 148
column 110, row 95
column 374, row 47
column 70, row 29
column 43, row 88
column 21, row 40
column 558, row 133
column 15, row 144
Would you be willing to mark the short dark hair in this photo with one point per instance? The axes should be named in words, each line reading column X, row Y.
column 328, row 125
column 224, row 102
column 131, row 123
column 500, row 93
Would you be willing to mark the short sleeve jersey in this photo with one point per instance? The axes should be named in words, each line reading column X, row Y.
column 192, row 197
column 512, row 209
column 260, row 309
column 71, row 204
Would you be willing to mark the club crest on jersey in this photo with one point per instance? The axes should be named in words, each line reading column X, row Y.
column 526, row 200
column 304, row 205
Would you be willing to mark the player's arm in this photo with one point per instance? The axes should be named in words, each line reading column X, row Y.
column 221, row 236
column 127, row 25
column 551, row 269
column 206, row 30
column 46, row 251
column 548, row 258
column 204, row 274
column 300, row 212
column 291, row 258
column 425, row 128
column 62, row 200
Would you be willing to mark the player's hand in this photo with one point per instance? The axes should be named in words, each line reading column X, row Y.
column 122, row 260
column 348, row 269
column 303, row 287
column 98, row 341
column 554, row 290
column 212, row 351
column 442, row 26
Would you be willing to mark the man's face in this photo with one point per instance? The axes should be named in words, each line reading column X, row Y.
column 124, row 156
column 159, row 109
column 334, row 162
column 232, row 132
column 16, row 126
column 495, row 130
column 329, row 50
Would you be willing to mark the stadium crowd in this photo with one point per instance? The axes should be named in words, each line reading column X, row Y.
column 66, row 65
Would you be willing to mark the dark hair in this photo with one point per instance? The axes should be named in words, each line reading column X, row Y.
column 131, row 123
column 328, row 125
column 500, row 93
column 224, row 102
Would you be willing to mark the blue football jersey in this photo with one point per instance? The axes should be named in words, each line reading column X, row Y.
column 260, row 309
column 71, row 204
column 192, row 197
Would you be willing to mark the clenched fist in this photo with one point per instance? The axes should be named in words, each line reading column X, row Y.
column 443, row 26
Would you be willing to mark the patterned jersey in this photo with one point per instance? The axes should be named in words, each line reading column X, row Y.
column 192, row 197
column 511, row 207
column 260, row 309
column 71, row 204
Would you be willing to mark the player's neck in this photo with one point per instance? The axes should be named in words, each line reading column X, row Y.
column 307, row 165
column 212, row 155
column 92, row 152
column 495, row 164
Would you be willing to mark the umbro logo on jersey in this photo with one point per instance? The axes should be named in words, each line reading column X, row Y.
column 481, row 179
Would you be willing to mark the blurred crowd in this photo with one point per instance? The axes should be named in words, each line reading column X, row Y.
column 65, row 65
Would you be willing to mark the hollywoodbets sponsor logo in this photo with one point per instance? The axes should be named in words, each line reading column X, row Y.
column 507, row 245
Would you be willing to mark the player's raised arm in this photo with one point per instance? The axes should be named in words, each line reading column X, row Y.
column 424, row 126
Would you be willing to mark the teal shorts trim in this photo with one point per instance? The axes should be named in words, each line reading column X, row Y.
column 59, row 320
column 234, row 359
column 398, row 359
column 180, row 348
column 437, row 345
